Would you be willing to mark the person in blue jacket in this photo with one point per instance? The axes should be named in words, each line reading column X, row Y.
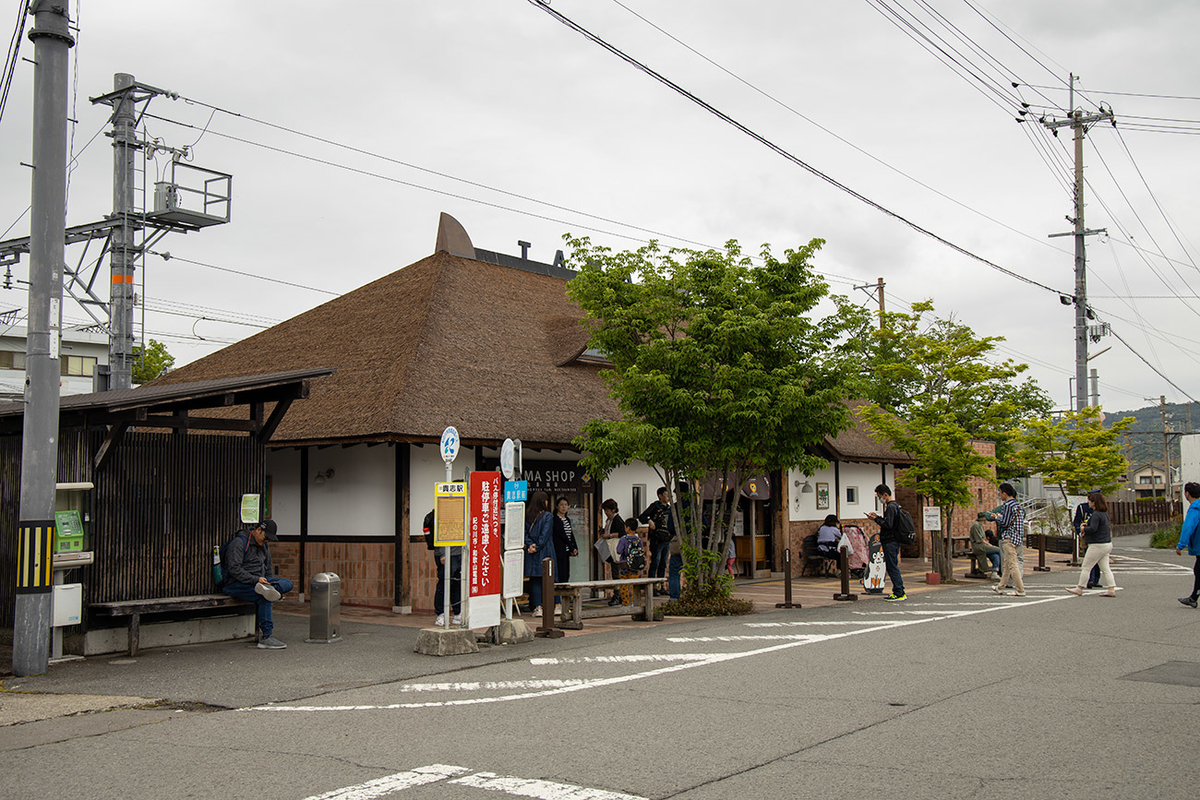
column 1189, row 538
column 539, row 544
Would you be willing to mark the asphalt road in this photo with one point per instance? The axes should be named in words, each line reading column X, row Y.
column 957, row 693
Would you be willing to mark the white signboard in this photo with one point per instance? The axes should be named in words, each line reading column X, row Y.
column 932, row 518
column 514, row 526
column 514, row 573
column 507, row 459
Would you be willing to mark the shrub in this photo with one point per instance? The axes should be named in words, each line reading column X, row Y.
column 712, row 599
column 1168, row 537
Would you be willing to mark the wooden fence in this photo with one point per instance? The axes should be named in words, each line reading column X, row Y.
column 1143, row 511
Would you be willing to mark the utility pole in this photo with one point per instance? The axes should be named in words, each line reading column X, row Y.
column 1162, row 407
column 878, row 292
column 51, row 36
column 121, row 243
column 1078, row 122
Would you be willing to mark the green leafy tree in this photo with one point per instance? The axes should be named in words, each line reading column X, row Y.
column 720, row 369
column 901, row 381
column 942, row 391
column 151, row 361
column 1074, row 451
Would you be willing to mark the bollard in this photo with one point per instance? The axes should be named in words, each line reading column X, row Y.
column 844, row 568
column 1041, row 565
column 546, row 629
column 1075, row 551
column 324, row 610
column 787, row 581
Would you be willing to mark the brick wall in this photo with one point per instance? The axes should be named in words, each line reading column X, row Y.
column 366, row 569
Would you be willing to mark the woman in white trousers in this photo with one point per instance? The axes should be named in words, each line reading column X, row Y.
column 1097, row 534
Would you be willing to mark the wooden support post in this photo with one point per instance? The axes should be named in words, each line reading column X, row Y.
column 844, row 567
column 787, row 581
column 546, row 629
column 1041, row 565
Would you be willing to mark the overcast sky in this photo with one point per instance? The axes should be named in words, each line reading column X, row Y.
column 495, row 112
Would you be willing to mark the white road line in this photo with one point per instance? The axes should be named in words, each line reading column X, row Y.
column 802, row 624
column 393, row 783
column 475, row 686
column 538, row 662
column 542, row 790
column 715, row 658
column 897, row 613
column 747, row 638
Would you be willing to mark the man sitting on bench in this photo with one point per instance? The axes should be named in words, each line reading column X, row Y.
column 250, row 577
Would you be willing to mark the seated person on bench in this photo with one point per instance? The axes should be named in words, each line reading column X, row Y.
column 827, row 537
column 251, row 578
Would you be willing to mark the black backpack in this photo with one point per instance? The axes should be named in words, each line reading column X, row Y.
column 220, row 572
column 905, row 531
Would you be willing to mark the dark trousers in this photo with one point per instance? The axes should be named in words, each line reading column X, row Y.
column 891, row 560
column 262, row 606
column 1196, row 583
column 659, row 554
column 439, row 594
column 674, row 567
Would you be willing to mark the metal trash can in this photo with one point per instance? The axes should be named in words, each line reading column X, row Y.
column 324, row 608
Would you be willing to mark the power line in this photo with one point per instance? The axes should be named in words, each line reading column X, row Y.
column 841, row 139
column 776, row 148
column 166, row 256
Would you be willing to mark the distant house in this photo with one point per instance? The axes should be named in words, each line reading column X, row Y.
column 83, row 349
column 1148, row 480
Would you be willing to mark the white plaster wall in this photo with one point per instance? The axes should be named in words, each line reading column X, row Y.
column 802, row 506
column 425, row 468
column 619, row 486
column 359, row 500
column 1189, row 457
column 283, row 468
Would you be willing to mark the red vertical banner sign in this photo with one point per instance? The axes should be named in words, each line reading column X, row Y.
column 484, row 582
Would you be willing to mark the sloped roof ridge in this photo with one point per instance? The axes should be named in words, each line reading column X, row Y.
column 400, row 377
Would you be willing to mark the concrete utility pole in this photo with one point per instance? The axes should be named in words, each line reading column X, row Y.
column 121, row 244
column 52, row 40
column 1078, row 122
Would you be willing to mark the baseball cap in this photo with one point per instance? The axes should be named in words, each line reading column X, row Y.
column 270, row 528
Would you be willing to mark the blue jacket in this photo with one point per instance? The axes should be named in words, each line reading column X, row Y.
column 1187, row 535
column 541, row 533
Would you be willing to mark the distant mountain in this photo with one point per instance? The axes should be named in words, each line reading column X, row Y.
column 1144, row 443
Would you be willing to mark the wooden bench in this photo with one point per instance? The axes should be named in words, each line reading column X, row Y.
column 573, row 612
column 134, row 609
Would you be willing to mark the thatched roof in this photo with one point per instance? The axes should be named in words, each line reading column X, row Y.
column 445, row 341
column 857, row 443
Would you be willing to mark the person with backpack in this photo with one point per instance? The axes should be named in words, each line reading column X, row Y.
column 249, row 576
column 890, row 539
column 631, row 556
column 662, row 530
column 439, row 592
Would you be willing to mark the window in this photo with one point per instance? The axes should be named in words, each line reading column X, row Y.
column 78, row 366
column 1148, row 479
column 852, row 495
column 639, row 499
column 980, row 494
column 10, row 359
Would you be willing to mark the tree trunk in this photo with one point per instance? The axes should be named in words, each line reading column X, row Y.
column 947, row 566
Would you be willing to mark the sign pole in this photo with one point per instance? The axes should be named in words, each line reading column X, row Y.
column 449, row 448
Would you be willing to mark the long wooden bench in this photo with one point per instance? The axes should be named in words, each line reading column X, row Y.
column 134, row 609
column 573, row 612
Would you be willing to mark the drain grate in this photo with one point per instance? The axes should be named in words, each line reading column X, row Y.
column 1172, row 673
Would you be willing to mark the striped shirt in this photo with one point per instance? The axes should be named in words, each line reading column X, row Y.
column 1012, row 522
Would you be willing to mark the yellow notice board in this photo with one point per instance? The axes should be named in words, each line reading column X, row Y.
column 449, row 514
